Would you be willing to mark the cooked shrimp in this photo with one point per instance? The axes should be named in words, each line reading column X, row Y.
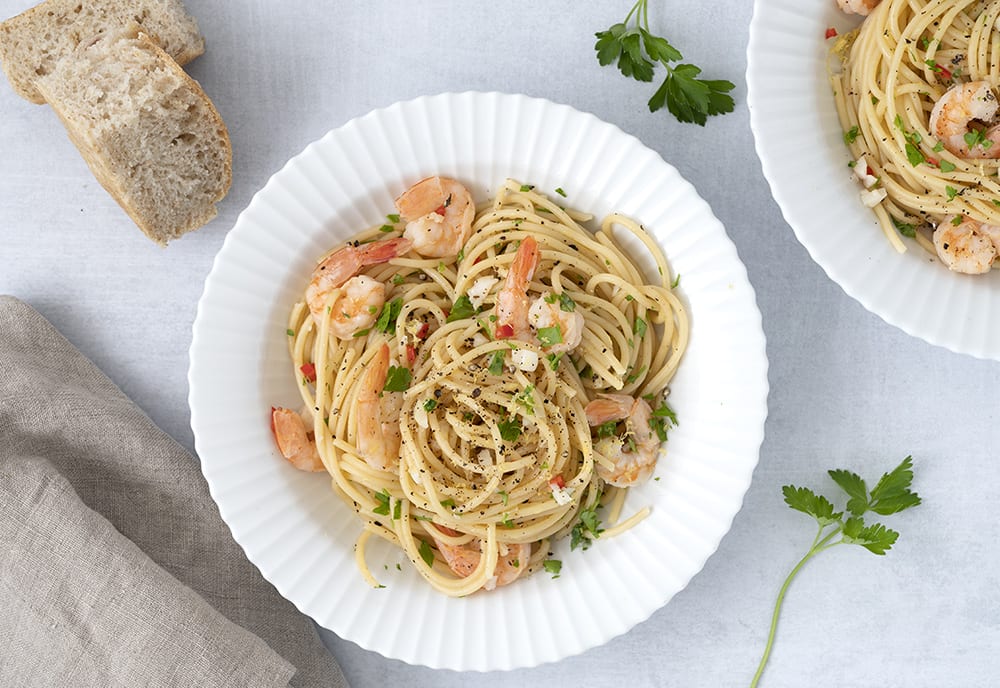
column 295, row 442
column 378, row 437
column 438, row 212
column 968, row 247
column 954, row 112
column 635, row 454
column 358, row 299
column 512, row 299
column 464, row 559
column 862, row 7
column 570, row 323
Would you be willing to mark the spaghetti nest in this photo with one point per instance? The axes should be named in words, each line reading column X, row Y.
column 907, row 55
column 496, row 455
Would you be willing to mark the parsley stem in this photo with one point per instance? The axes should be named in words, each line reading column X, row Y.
column 632, row 11
column 819, row 544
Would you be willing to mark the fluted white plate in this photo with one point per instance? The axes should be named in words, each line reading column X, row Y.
column 800, row 144
column 297, row 531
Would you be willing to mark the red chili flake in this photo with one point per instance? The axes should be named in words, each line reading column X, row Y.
column 558, row 482
column 411, row 354
column 831, row 32
column 931, row 161
column 871, row 172
column 943, row 72
column 423, row 331
column 504, row 331
column 478, row 258
column 309, row 370
column 446, row 311
column 440, row 210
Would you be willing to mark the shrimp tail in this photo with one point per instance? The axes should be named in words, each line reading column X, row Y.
column 512, row 300
column 383, row 251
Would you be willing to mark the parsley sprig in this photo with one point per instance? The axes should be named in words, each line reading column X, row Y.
column 637, row 51
column 890, row 495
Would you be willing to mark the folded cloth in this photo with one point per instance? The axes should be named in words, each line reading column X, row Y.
column 115, row 567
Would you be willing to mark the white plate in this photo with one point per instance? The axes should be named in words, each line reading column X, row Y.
column 801, row 148
column 297, row 531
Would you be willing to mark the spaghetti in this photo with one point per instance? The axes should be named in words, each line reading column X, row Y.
column 906, row 57
column 496, row 455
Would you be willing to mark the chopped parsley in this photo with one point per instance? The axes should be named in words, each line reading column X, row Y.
column 430, row 405
column 496, row 363
column 676, row 282
column 608, row 429
column 976, row 138
column 663, row 418
column 549, row 336
column 504, row 497
column 397, row 279
column 397, row 510
column 639, row 328
column 946, row 166
column 904, row 228
column 635, row 376
column 426, row 554
column 461, row 309
column 951, row 191
column 938, row 147
column 398, row 379
column 383, row 503
column 387, row 228
column 506, row 522
column 361, row 333
column 527, row 187
column 448, row 503
column 510, row 429
column 587, row 529
column 553, row 360
column 566, row 303
column 461, row 255
column 851, row 135
column 387, row 318
column 560, row 191
column 957, row 220
column 553, row 566
column 290, row 332
column 526, row 399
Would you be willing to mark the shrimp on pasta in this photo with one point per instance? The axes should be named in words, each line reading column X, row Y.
column 484, row 379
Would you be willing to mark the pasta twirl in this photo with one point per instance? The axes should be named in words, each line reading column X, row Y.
column 906, row 57
column 497, row 453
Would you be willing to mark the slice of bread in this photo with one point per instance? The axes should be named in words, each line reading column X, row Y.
column 33, row 41
column 147, row 130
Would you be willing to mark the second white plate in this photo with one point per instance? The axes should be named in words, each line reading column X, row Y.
column 801, row 148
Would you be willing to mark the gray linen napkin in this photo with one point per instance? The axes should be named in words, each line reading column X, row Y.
column 115, row 567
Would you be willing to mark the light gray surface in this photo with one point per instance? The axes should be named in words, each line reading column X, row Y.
column 846, row 389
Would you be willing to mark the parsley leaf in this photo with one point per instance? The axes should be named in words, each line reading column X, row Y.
column 430, row 405
column 639, row 327
column 553, row 566
column 496, row 363
column 637, row 50
column 510, row 429
column 587, row 529
column 566, row 303
column 904, row 228
column 461, row 309
column 397, row 379
column 426, row 554
column 550, row 336
column 383, row 503
column 891, row 494
column 526, row 399
column 661, row 420
column 387, row 318
column 606, row 429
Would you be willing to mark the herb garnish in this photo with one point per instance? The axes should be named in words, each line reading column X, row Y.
column 430, row 405
column 510, row 429
column 639, row 327
column 383, row 503
column 904, row 228
column 526, row 399
column 461, row 309
column 426, row 554
column 496, row 363
column 662, row 419
column 636, row 49
column 553, row 566
column 890, row 495
column 587, row 529
column 397, row 379
column 387, row 318
column 550, row 336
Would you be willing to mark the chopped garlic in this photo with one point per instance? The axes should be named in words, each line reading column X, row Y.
column 873, row 197
column 480, row 289
column 420, row 415
column 861, row 172
column 524, row 359
column 562, row 495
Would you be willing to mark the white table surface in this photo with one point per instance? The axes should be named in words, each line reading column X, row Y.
column 846, row 389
